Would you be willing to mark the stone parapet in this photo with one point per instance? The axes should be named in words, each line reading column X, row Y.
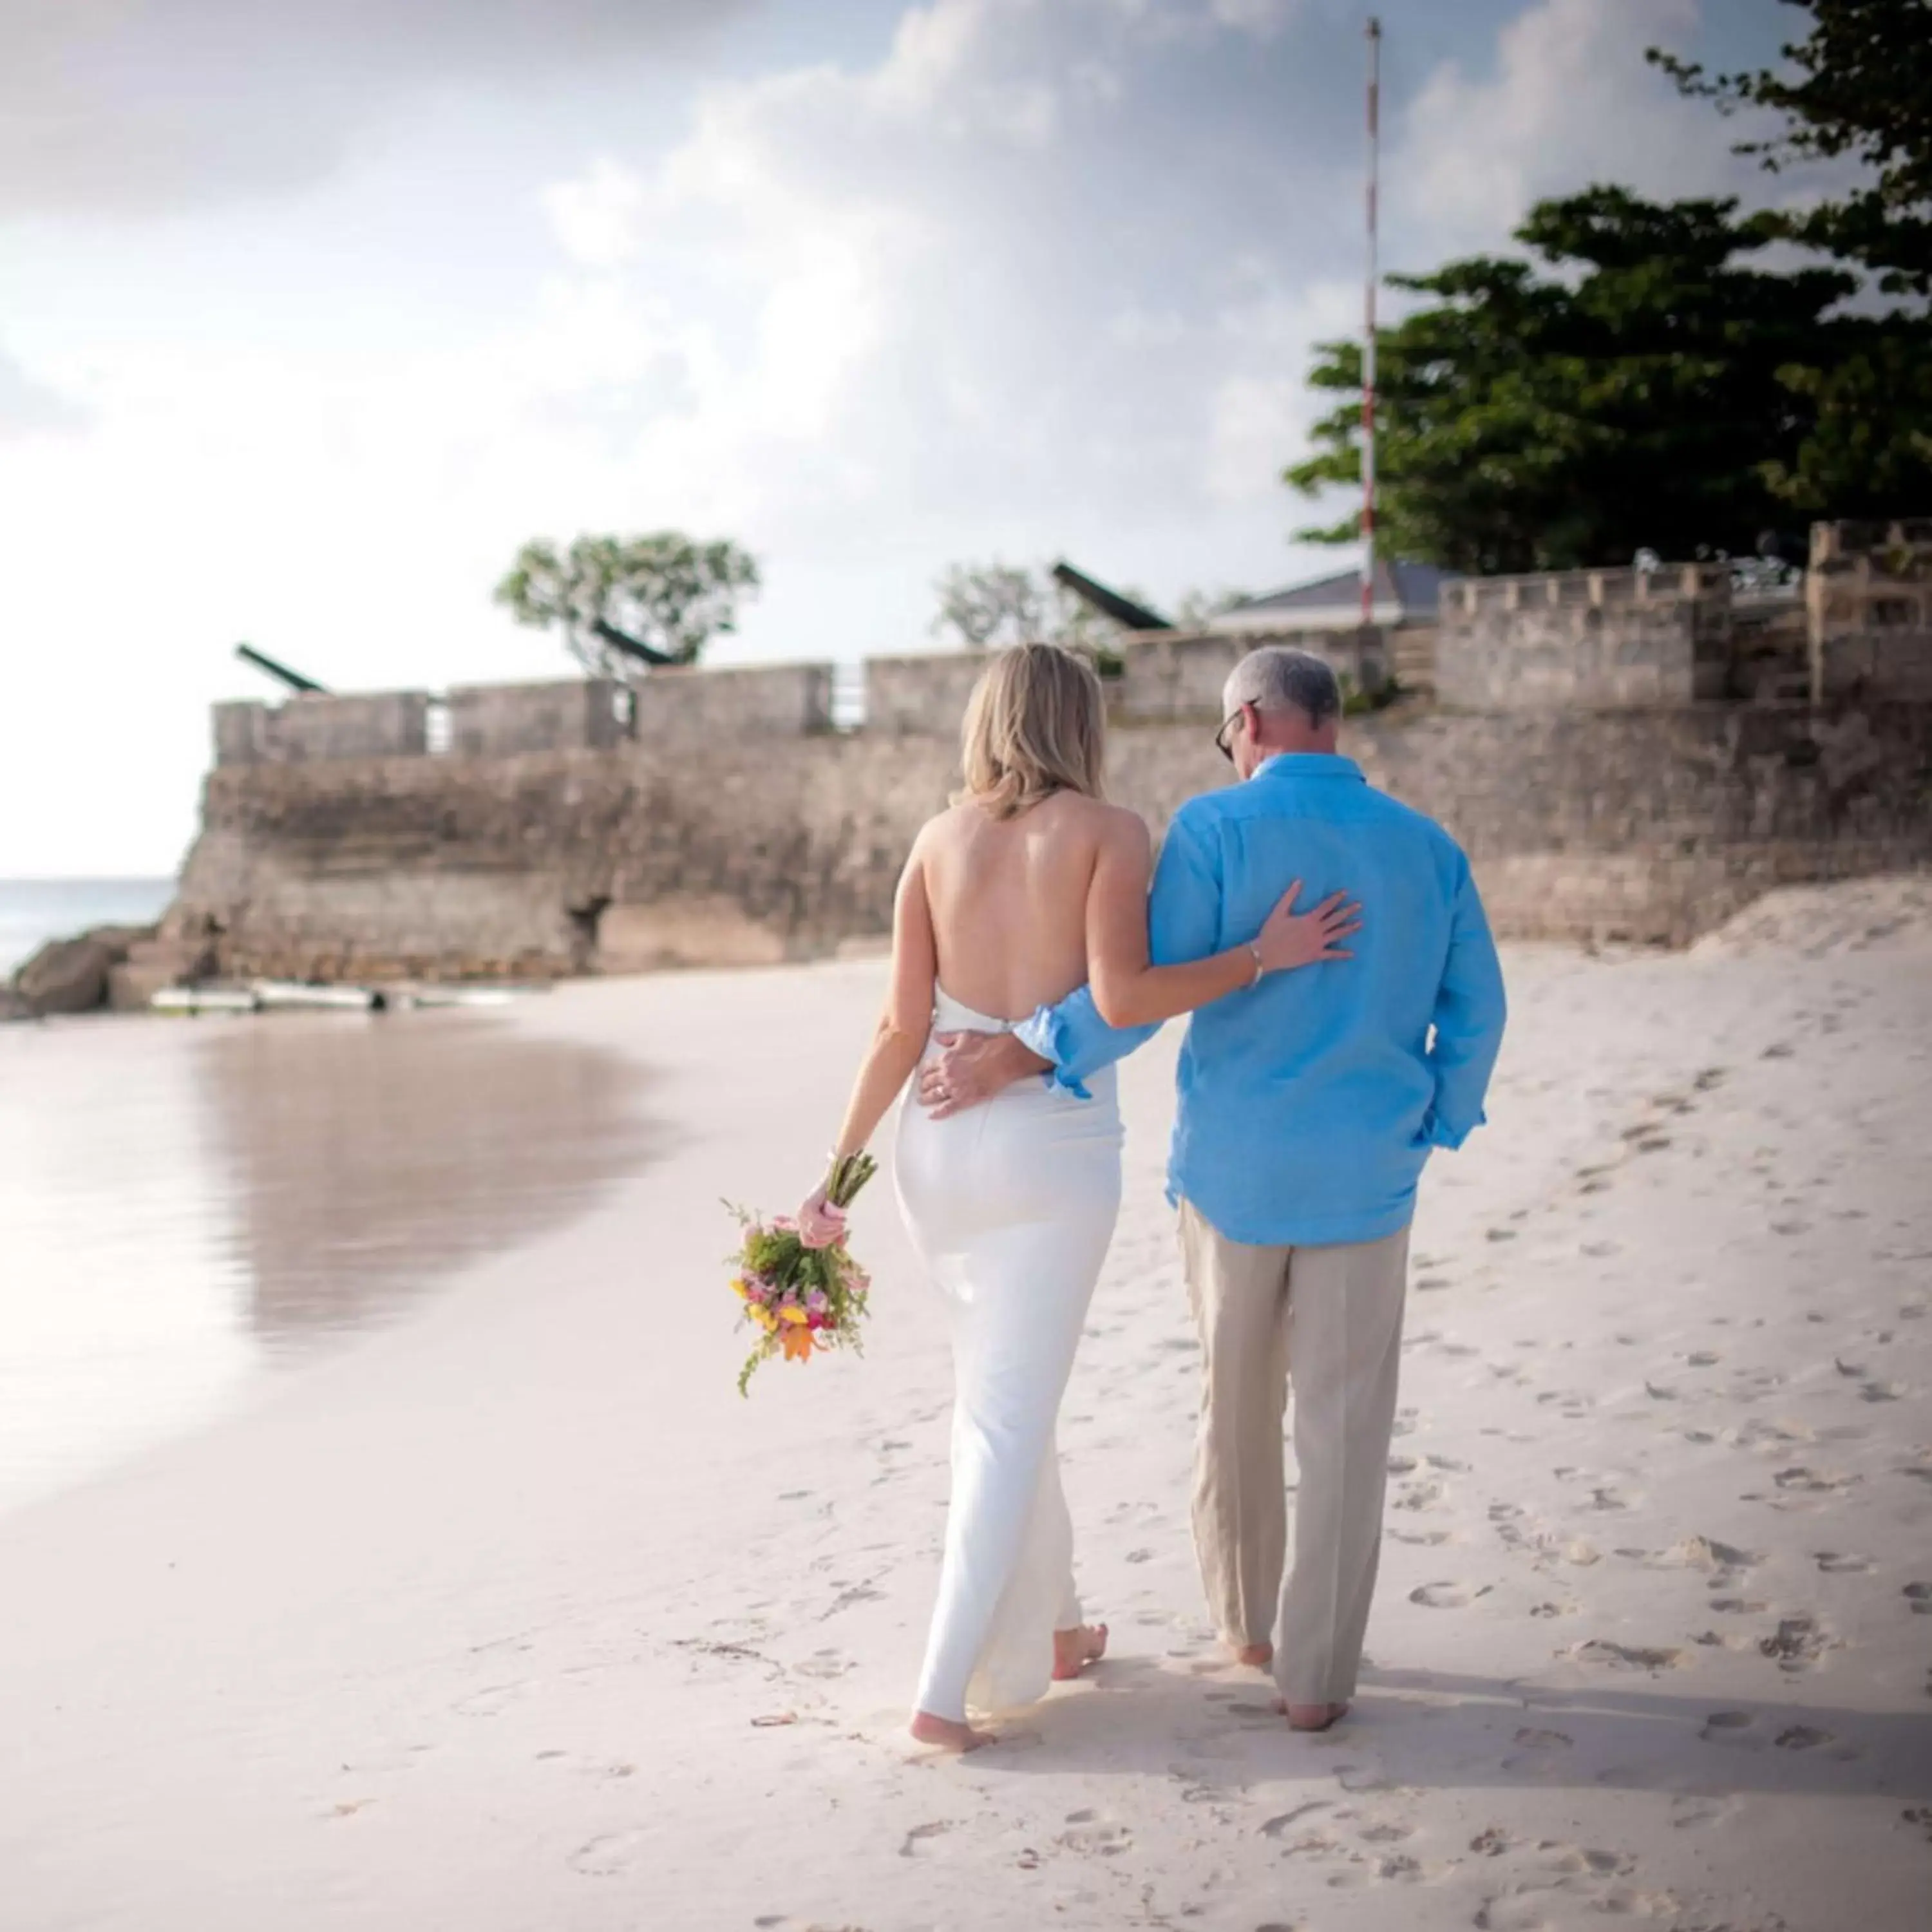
column 921, row 695
column 1591, row 639
column 376, row 724
column 1163, row 676
column 498, row 721
column 1868, row 601
column 696, row 706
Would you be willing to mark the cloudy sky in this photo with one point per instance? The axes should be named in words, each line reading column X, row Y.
column 309, row 315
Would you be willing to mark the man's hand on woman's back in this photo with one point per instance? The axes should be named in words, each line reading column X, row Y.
column 972, row 1067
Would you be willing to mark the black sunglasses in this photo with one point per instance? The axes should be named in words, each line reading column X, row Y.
column 1224, row 738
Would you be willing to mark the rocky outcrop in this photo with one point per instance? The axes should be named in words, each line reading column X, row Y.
column 71, row 975
column 173, row 956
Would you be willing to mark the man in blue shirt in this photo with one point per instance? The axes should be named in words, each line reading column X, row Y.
column 1308, row 1106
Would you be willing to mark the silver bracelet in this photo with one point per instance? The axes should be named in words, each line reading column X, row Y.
column 1260, row 965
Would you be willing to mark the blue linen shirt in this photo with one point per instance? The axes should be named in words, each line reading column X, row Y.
column 1309, row 1102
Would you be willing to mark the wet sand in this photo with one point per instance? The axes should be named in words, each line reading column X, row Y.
column 509, row 1615
column 189, row 1204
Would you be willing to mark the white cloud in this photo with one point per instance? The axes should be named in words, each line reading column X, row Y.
column 1571, row 102
column 1261, row 411
column 595, row 217
column 134, row 106
column 1035, row 277
column 1254, row 17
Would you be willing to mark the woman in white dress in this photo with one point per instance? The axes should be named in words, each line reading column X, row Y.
column 1029, row 886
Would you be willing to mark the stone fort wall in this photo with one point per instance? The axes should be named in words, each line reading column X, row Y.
column 719, row 818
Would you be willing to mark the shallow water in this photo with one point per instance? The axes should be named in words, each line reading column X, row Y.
column 187, row 1206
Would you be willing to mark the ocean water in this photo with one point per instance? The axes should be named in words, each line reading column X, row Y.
column 35, row 910
column 189, row 1206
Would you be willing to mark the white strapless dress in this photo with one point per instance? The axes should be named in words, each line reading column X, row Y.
column 1012, row 1205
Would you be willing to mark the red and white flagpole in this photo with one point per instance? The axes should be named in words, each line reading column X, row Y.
column 1375, row 37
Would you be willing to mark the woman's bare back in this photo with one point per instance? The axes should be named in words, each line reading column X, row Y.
column 1009, row 899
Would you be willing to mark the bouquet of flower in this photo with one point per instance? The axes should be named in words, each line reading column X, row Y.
column 800, row 1299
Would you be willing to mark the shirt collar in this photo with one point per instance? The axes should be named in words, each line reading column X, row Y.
column 1310, row 765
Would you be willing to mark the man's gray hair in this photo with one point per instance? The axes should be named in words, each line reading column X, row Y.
column 1276, row 679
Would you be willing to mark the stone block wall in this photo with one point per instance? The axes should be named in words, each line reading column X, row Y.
column 1179, row 676
column 1644, row 827
column 1592, row 640
column 1639, row 825
column 694, row 706
column 502, row 721
column 1580, row 755
column 556, row 862
column 1868, row 598
column 921, row 696
column 1166, row 676
column 381, row 725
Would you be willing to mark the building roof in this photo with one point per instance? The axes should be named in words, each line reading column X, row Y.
column 1404, row 593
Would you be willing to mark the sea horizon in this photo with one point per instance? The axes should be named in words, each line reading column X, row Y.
column 33, row 910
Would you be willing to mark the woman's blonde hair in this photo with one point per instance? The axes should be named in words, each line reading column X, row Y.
column 1036, row 724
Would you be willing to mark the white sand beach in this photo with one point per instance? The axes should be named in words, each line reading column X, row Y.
column 511, row 1617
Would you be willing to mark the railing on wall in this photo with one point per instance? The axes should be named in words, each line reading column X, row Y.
column 846, row 701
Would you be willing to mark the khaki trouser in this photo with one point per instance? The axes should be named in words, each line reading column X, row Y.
column 1331, row 1318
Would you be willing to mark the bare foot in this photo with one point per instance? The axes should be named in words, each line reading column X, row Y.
column 1312, row 1716
column 947, row 1735
column 1074, row 1649
column 1255, row 1656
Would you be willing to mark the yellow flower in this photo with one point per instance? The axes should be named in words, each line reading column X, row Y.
column 792, row 1313
column 765, row 1319
column 741, row 1289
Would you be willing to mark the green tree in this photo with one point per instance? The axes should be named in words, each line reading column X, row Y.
column 1858, row 86
column 1870, row 450
column 989, row 606
column 624, row 603
column 1635, row 386
column 1195, row 609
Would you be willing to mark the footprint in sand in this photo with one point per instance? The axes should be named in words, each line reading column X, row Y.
column 486, row 1703
column 1693, row 1811
column 1919, row 1596
column 1802, row 1737
column 1275, row 1827
column 1625, row 1656
column 609, row 1856
column 1386, row 1834
column 1834, row 1564
column 920, row 1833
column 1094, row 1836
column 1808, row 1482
column 1797, row 1644
column 826, row 1663
column 1447, row 1596
column 1726, row 1727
